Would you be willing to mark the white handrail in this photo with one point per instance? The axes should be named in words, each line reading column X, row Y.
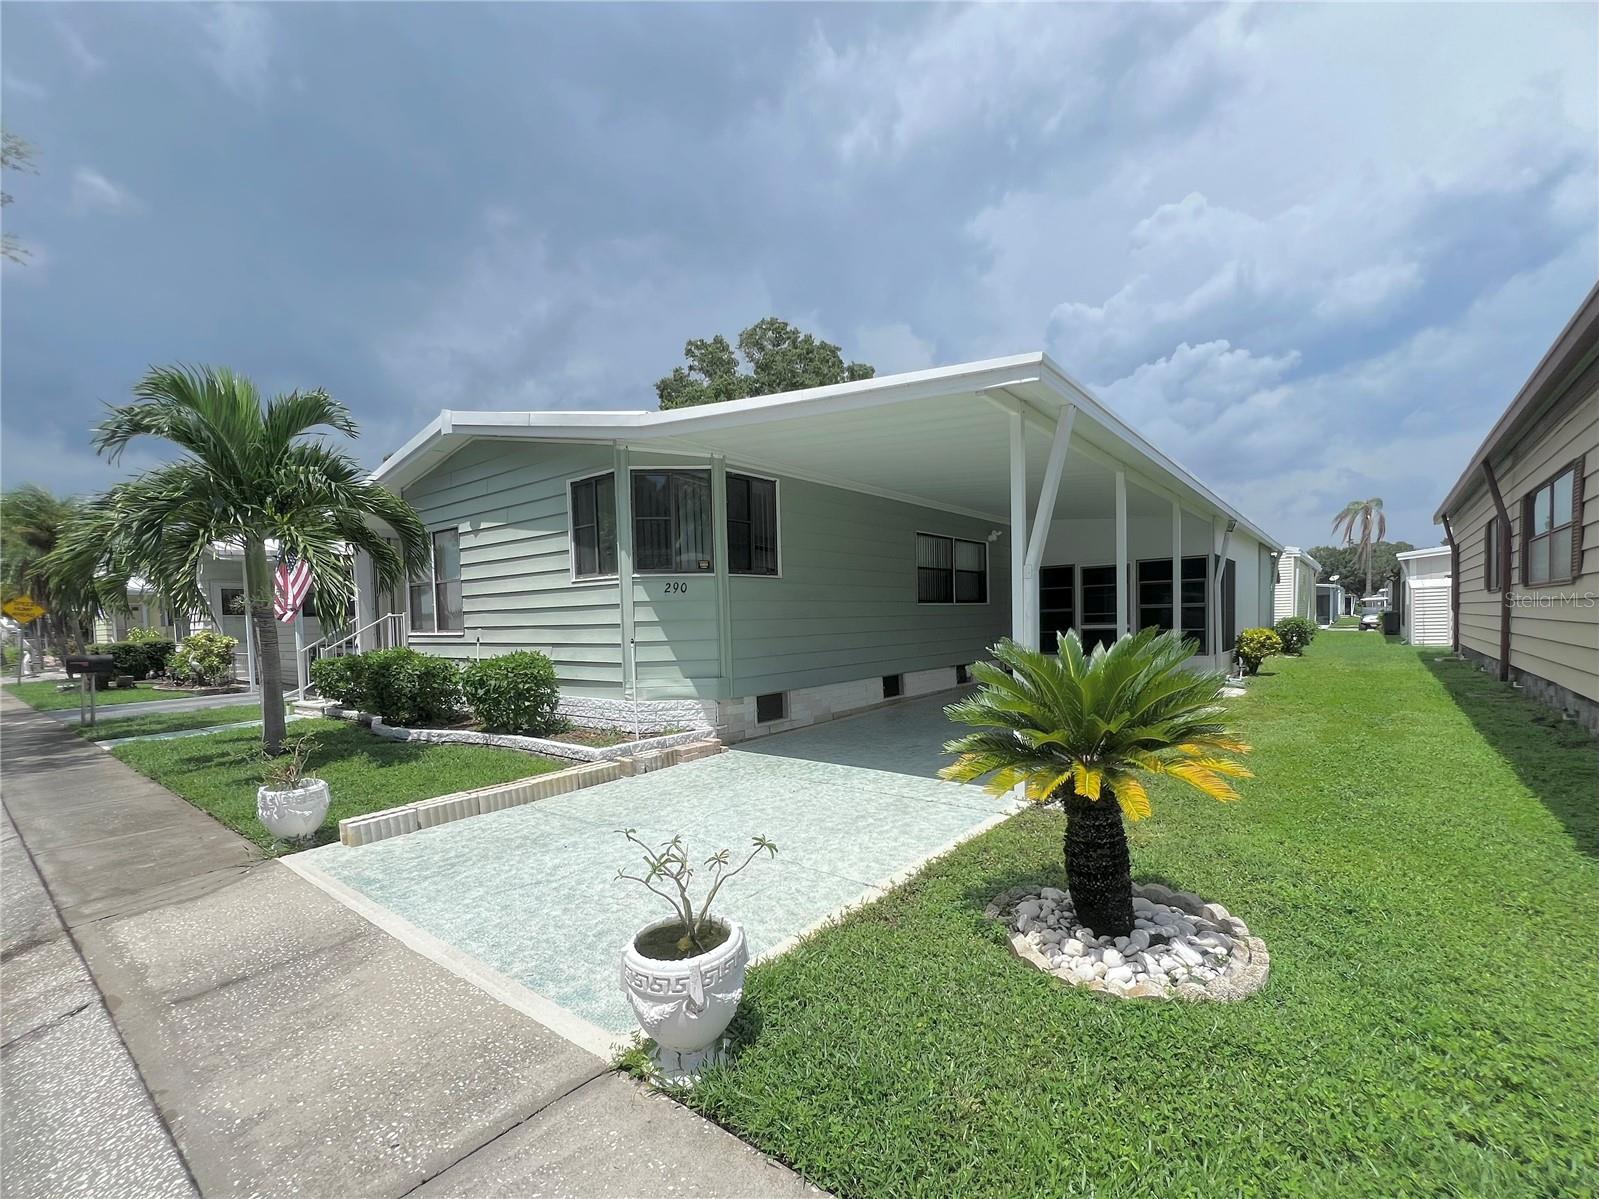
column 333, row 639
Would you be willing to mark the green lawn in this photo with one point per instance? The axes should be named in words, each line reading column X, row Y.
column 45, row 696
column 364, row 773
column 167, row 722
column 1418, row 851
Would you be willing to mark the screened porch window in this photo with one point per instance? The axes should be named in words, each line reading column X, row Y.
column 436, row 598
column 672, row 521
column 1155, row 597
column 751, row 525
column 594, row 527
column 950, row 570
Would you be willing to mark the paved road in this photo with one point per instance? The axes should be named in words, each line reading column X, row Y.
column 183, row 1016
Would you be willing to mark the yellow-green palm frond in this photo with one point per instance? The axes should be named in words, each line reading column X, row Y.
column 1133, row 798
column 1202, row 779
column 1078, row 723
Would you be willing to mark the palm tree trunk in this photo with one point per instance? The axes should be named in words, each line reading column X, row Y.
column 267, row 663
column 1099, row 872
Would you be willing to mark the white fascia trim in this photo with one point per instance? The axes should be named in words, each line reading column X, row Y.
column 1435, row 551
column 994, row 374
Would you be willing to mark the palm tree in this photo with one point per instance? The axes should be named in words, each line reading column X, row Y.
column 249, row 472
column 1367, row 516
column 1083, row 730
column 32, row 523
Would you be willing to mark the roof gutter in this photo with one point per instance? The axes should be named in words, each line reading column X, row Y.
column 1578, row 339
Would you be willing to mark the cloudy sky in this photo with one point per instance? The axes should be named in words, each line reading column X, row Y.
column 1312, row 251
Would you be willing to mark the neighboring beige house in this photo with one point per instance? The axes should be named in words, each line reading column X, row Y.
column 1295, row 593
column 1526, row 545
column 1425, row 587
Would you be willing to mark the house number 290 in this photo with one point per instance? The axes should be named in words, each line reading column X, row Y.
column 676, row 587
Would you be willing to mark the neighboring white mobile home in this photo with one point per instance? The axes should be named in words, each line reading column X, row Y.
column 1425, row 586
column 768, row 562
column 1294, row 593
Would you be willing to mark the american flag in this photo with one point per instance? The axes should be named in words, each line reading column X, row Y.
column 289, row 585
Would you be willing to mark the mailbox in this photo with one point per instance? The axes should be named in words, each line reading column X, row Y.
column 95, row 664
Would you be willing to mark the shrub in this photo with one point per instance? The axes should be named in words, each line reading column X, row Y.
column 343, row 680
column 1295, row 632
column 205, row 659
column 140, row 657
column 408, row 688
column 1255, row 646
column 516, row 693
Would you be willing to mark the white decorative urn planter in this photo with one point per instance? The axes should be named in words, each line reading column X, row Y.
column 685, row 1006
column 293, row 813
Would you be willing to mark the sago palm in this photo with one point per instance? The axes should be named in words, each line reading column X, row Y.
column 249, row 471
column 1356, row 524
column 1083, row 730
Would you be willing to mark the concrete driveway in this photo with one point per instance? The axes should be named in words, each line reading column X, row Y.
column 526, row 901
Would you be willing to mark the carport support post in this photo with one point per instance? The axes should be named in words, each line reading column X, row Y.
column 1177, row 566
column 1018, row 529
column 1043, row 519
column 1216, row 606
column 624, row 568
column 1121, row 554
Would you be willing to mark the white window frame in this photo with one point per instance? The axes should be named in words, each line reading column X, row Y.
column 433, row 582
column 571, row 530
column 952, row 602
column 777, row 500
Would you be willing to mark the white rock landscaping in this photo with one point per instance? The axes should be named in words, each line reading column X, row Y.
column 1180, row 947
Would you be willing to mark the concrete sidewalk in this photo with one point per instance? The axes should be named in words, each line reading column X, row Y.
column 263, row 1039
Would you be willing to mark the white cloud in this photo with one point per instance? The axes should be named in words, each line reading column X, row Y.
column 13, row 82
column 93, row 192
column 892, row 349
column 525, row 327
column 85, row 59
column 239, row 45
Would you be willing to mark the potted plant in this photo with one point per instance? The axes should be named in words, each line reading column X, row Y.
column 684, row 975
column 291, row 805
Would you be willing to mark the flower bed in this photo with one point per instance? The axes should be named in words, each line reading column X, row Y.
column 543, row 746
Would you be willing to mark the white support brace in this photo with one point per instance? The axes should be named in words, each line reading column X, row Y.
column 1121, row 554
column 1177, row 567
column 1018, row 529
column 1045, row 517
column 1216, row 633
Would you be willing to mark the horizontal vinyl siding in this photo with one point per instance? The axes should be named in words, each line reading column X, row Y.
column 846, row 606
column 1554, row 628
column 509, row 501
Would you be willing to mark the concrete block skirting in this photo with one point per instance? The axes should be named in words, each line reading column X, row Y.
column 428, row 813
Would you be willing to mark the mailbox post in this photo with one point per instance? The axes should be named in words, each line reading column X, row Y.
column 90, row 669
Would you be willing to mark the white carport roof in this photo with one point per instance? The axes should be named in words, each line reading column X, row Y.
column 936, row 437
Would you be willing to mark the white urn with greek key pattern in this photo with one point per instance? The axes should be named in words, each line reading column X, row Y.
column 685, row 1006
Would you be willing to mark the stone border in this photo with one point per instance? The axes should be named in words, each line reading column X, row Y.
column 444, row 809
column 1245, row 974
column 534, row 745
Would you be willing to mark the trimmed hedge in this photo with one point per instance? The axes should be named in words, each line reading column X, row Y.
column 205, row 659
column 515, row 693
column 1295, row 632
column 142, row 659
column 1255, row 646
column 400, row 685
